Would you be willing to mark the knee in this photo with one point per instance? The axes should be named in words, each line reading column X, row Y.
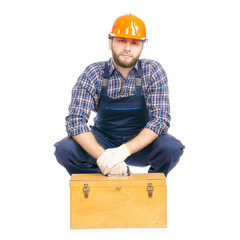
column 170, row 146
column 63, row 149
column 165, row 154
column 173, row 148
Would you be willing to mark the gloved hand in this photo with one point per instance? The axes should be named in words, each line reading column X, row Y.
column 120, row 169
column 111, row 157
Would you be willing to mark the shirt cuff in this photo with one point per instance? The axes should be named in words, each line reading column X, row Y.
column 159, row 128
column 71, row 131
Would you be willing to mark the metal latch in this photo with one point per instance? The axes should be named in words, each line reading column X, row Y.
column 150, row 190
column 86, row 190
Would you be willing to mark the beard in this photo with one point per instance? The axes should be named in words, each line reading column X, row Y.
column 123, row 64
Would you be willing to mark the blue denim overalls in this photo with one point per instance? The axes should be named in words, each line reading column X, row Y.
column 117, row 121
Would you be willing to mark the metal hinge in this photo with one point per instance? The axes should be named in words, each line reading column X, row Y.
column 86, row 190
column 150, row 190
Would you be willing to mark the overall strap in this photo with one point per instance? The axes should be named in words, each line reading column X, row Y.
column 139, row 78
column 105, row 79
column 106, row 75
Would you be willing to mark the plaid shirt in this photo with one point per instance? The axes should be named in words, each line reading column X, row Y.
column 86, row 93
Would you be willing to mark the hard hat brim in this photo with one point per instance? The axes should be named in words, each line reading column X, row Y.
column 111, row 36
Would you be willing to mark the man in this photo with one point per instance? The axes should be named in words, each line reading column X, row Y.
column 130, row 97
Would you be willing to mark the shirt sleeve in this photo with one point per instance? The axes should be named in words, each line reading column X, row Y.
column 158, row 101
column 80, row 107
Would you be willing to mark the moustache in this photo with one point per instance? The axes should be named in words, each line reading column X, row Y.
column 126, row 53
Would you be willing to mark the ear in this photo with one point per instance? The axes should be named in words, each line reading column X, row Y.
column 110, row 44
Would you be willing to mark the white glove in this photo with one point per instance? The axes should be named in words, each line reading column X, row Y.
column 120, row 169
column 111, row 157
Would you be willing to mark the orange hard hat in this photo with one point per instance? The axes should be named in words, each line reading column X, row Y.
column 129, row 26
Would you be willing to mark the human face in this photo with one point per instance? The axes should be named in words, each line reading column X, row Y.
column 125, row 51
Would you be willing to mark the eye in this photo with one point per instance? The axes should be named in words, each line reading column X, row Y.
column 121, row 40
column 135, row 43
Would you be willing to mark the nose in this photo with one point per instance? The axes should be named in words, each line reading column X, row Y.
column 128, row 46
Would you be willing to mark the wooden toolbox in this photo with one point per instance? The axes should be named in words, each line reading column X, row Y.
column 138, row 200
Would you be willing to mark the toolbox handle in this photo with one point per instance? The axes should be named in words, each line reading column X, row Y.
column 128, row 173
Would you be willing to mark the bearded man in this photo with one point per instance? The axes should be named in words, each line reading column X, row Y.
column 131, row 101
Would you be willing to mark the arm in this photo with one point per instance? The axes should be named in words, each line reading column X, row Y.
column 143, row 139
column 88, row 142
column 157, row 101
column 84, row 99
column 80, row 107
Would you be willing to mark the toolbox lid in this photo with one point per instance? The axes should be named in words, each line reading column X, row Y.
column 137, row 179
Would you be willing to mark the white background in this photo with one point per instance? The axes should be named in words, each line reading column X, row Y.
column 45, row 45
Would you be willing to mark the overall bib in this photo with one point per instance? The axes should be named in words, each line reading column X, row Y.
column 117, row 121
column 123, row 118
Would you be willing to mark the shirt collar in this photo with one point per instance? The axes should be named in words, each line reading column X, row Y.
column 112, row 67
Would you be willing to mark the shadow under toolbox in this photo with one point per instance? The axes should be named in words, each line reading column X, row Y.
column 138, row 200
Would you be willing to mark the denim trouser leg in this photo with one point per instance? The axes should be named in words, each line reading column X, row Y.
column 162, row 155
column 74, row 158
